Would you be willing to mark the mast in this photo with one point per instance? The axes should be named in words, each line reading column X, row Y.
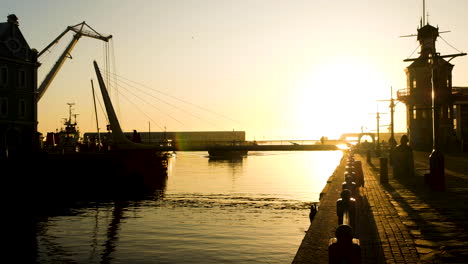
column 69, row 122
column 424, row 13
column 95, row 112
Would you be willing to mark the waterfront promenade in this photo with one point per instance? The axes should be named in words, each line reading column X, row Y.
column 399, row 222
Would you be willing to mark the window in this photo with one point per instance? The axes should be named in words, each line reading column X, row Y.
column 414, row 83
column 21, row 78
column 3, row 107
column 414, row 113
column 3, row 75
column 21, row 108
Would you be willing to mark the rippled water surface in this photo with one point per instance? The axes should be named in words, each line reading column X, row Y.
column 253, row 210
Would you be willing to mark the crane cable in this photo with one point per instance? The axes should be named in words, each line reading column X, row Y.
column 414, row 51
column 164, row 101
column 136, row 106
column 127, row 90
column 181, row 100
column 450, row 45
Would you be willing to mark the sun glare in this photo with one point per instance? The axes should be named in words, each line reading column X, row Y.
column 338, row 97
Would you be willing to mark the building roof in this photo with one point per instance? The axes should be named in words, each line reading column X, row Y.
column 428, row 31
column 12, row 42
column 422, row 62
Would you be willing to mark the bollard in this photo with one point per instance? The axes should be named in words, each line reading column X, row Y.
column 437, row 174
column 350, row 185
column 350, row 174
column 383, row 170
column 359, row 173
column 346, row 208
column 343, row 248
column 346, row 219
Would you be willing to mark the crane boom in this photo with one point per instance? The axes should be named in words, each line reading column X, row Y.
column 79, row 30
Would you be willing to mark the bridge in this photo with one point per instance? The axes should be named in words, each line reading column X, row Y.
column 251, row 146
column 235, row 145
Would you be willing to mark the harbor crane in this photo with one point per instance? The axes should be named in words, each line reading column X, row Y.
column 81, row 29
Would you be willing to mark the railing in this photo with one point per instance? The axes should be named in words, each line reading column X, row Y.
column 403, row 92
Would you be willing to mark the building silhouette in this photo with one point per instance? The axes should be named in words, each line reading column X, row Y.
column 418, row 96
column 18, row 83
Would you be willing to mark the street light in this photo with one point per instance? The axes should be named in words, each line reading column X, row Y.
column 392, row 142
column 377, row 146
column 436, row 159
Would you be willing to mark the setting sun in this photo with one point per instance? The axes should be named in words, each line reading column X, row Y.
column 339, row 96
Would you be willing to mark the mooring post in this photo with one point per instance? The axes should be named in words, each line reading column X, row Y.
column 436, row 159
column 344, row 248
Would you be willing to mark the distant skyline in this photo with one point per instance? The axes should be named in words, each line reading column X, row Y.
column 297, row 69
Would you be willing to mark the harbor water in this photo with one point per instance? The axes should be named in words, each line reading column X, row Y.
column 249, row 210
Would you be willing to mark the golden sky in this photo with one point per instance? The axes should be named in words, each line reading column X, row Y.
column 275, row 69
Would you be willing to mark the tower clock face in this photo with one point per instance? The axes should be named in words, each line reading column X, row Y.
column 13, row 44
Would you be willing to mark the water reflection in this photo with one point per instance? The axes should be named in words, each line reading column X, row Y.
column 47, row 220
column 204, row 211
column 234, row 161
column 112, row 231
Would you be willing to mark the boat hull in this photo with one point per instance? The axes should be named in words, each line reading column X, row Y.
column 72, row 176
column 216, row 153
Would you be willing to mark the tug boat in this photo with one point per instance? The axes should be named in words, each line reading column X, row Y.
column 67, row 139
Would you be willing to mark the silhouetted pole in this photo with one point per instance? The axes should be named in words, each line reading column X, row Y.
column 149, row 132
column 392, row 141
column 95, row 112
column 377, row 148
column 436, row 159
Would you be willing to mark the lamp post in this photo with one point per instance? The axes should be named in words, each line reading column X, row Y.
column 392, row 142
column 436, row 159
column 377, row 143
column 377, row 150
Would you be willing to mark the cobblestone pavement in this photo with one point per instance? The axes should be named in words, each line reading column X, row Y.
column 402, row 221
column 394, row 237
column 437, row 221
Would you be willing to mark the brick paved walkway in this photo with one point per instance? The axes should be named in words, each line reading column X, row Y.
column 438, row 221
column 399, row 222
column 395, row 239
column 383, row 237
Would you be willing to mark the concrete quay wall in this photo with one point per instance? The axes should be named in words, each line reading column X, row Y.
column 314, row 246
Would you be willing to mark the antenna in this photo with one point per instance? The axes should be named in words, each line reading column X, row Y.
column 424, row 12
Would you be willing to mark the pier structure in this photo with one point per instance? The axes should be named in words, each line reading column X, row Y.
column 401, row 221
